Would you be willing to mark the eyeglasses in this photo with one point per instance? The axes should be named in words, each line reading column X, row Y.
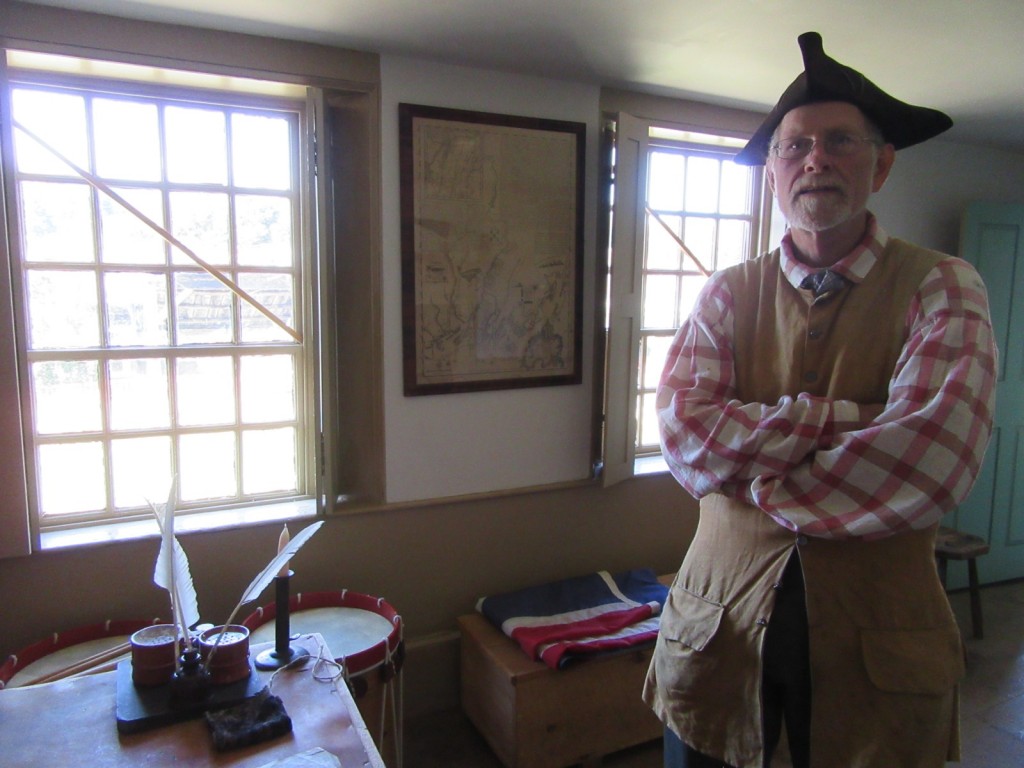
column 835, row 144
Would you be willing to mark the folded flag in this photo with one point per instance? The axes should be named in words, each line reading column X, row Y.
column 568, row 620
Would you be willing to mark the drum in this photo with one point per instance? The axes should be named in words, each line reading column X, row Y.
column 75, row 651
column 365, row 635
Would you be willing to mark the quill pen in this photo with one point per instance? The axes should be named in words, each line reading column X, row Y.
column 270, row 570
column 172, row 571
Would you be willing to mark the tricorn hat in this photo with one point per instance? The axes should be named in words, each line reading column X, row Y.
column 825, row 79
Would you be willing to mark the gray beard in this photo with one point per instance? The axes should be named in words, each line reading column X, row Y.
column 815, row 215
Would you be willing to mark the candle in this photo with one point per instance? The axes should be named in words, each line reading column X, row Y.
column 282, row 542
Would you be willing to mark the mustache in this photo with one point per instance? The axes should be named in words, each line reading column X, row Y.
column 826, row 183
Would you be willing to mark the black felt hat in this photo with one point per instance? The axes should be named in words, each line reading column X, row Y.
column 825, row 79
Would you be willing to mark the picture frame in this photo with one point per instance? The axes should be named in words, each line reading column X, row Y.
column 492, row 250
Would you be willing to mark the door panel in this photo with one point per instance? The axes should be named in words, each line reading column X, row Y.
column 992, row 238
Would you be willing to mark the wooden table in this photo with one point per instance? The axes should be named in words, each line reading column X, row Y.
column 74, row 722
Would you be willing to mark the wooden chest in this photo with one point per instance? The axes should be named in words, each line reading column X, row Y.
column 536, row 717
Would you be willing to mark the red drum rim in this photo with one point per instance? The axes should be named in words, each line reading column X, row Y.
column 354, row 663
column 60, row 640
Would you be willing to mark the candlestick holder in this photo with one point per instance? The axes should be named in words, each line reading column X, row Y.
column 283, row 651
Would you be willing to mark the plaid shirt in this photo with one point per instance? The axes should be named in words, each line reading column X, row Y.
column 915, row 458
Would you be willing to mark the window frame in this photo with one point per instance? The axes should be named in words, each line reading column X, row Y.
column 343, row 87
column 627, row 138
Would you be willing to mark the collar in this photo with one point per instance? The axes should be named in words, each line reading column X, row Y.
column 854, row 266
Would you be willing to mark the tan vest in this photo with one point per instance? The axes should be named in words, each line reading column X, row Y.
column 886, row 653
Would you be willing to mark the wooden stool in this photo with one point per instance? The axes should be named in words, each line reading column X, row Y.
column 951, row 544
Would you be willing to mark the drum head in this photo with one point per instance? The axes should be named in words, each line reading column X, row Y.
column 65, row 657
column 347, row 631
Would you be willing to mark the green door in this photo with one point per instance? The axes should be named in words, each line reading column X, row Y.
column 992, row 238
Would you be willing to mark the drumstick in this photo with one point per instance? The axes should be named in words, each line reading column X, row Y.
column 84, row 665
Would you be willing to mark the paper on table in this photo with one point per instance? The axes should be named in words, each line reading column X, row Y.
column 311, row 758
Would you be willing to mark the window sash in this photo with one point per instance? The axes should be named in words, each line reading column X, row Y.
column 708, row 218
column 103, row 355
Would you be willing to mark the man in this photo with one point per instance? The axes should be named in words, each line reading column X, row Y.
column 828, row 403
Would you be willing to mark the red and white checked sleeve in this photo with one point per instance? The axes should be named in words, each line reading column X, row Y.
column 817, row 466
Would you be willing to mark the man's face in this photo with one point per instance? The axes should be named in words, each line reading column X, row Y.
column 821, row 191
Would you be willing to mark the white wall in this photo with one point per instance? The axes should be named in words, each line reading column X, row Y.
column 456, row 444
column 931, row 185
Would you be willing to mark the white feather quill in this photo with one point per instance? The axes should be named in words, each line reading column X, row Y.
column 172, row 570
column 270, row 570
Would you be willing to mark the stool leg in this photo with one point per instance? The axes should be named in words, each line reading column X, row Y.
column 972, row 582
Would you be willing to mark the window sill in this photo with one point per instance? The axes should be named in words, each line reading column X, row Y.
column 649, row 465
column 206, row 521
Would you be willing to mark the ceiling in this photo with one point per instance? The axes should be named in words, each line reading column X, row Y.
column 964, row 58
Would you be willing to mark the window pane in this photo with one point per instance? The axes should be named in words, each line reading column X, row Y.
column 203, row 309
column 196, row 146
column 138, row 394
column 71, row 478
column 127, row 140
column 259, row 152
column 735, row 189
column 63, row 310
column 699, row 236
column 57, row 219
column 655, row 352
column 268, row 460
column 733, row 237
column 136, row 309
column 268, row 388
column 206, row 391
column 659, row 301
column 142, row 470
column 647, row 424
column 665, row 181
column 663, row 251
column 273, row 291
column 66, row 395
column 124, row 238
column 56, row 118
column 702, row 185
column 690, row 289
column 207, row 466
column 264, row 230
column 200, row 221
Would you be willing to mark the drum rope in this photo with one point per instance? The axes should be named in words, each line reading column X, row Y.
column 320, row 663
column 396, row 731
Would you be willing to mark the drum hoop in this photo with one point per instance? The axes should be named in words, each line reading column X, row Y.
column 58, row 641
column 354, row 663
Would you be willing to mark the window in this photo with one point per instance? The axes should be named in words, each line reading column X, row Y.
column 141, row 362
column 682, row 209
column 301, row 235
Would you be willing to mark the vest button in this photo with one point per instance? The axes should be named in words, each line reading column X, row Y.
column 801, row 540
column 762, row 622
column 811, row 376
column 814, row 333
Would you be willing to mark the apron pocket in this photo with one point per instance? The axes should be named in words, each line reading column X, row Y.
column 692, row 620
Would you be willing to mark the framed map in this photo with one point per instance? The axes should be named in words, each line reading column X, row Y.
column 492, row 246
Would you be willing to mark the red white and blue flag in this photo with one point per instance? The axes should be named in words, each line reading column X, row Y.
column 568, row 620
